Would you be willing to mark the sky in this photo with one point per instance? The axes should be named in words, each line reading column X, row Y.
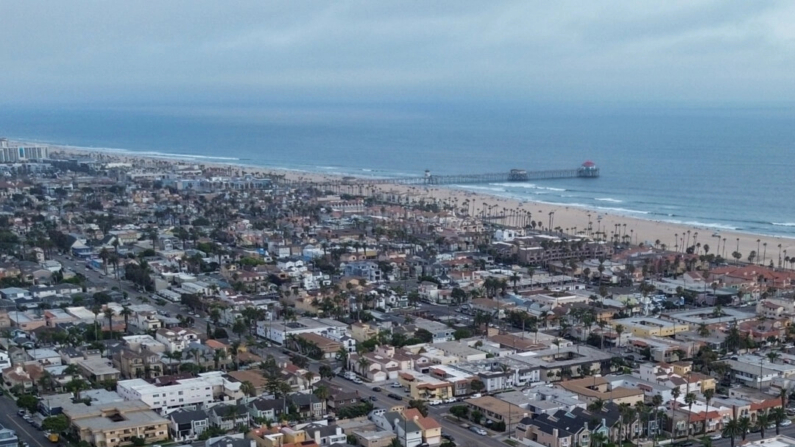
column 182, row 52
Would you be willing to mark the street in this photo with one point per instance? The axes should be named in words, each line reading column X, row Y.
column 25, row 431
column 462, row 436
column 97, row 277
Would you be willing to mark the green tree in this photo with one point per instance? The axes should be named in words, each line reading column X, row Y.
column 56, row 424
column 460, row 411
column 420, row 405
column 477, row 386
column 28, row 402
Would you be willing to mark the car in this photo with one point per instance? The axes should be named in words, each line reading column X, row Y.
column 448, row 437
column 717, row 437
column 21, row 413
column 377, row 389
column 394, row 385
column 395, row 396
column 373, row 398
column 357, row 381
column 785, row 422
column 478, row 430
column 476, row 395
column 435, row 402
column 450, row 400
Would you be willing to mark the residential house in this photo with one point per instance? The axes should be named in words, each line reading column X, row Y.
column 227, row 417
column 187, row 425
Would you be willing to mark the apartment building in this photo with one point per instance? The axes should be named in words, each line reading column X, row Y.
column 176, row 339
column 167, row 398
column 116, row 423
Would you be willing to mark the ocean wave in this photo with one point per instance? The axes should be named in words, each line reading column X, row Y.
column 188, row 156
column 621, row 210
column 704, row 224
column 481, row 188
column 608, row 199
column 528, row 186
column 783, row 224
column 154, row 154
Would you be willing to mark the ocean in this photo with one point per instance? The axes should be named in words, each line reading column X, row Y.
column 717, row 167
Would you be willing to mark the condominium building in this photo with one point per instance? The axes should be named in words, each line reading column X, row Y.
column 116, row 423
column 184, row 393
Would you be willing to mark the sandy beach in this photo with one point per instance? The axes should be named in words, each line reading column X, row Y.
column 570, row 219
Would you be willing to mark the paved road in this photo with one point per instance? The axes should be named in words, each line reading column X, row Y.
column 726, row 442
column 24, row 431
column 79, row 266
column 463, row 437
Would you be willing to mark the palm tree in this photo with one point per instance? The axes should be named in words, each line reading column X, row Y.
column 234, row 349
column 708, row 395
column 619, row 331
column 778, row 415
column 762, row 421
column 309, row 376
column 109, row 315
column 732, row 429
column 363, row 363
column 126, row 312
column 676, row 392
column 248, row 389
column 656, row 401
column 745, row 425
column 596, row 406
column 598, row 439
column 322, row 393
column 690, row 399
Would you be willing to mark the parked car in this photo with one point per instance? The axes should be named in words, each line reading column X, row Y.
column 394, row 385
column 450, row 400
column 476, row 395
column 786, row 422
column 435, row 402
column 21, row 413
column 395, row 396
column 373, row 398
column 448, row 437
column 478, row 430
column 377, row 389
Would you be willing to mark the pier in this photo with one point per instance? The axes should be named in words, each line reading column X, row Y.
column 586, row 170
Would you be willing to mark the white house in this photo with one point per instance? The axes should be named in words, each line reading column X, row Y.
column 176, row 339
column 278, row 332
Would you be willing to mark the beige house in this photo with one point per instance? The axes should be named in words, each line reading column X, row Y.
column 116, row 423
column 590, row 389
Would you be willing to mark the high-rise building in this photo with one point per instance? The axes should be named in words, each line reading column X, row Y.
column 21, row 154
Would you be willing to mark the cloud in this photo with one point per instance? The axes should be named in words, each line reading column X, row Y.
column 194, row 51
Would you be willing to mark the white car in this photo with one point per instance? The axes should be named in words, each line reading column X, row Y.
column 394, row 385
column 476, row 395
column 358, row 381
column 717, row 437
column 785, row 422
column 435, row 402
column 450, row 400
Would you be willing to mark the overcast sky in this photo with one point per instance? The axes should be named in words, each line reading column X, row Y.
column 231, row 51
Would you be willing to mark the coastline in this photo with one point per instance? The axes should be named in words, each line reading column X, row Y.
column 639, row 229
